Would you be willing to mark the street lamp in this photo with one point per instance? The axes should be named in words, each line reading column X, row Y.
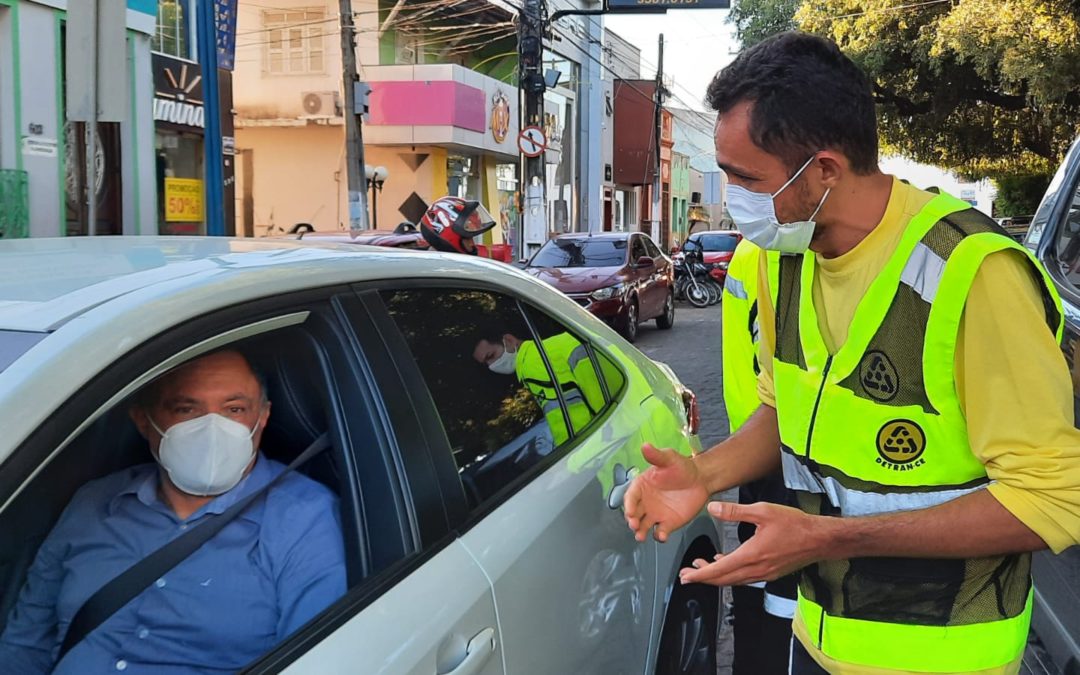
column 375, row 178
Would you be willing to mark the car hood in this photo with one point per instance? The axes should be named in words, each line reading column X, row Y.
column 578, row 279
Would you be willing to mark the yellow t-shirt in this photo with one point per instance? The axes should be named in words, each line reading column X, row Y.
column 1012, row 380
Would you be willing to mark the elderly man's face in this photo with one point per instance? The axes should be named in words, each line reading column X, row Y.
column 221, row 383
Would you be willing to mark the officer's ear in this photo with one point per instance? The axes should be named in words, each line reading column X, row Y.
column 511, row 341
column 833, row 166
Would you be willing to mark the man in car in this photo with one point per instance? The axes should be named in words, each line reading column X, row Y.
column 268, row 572
column 507, row 354
column 912, row 391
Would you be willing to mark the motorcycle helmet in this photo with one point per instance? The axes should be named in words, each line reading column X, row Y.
column 450, row 224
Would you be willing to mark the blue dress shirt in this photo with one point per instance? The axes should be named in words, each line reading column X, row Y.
column 263, row 576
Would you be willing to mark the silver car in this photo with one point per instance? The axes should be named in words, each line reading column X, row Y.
column 480, row 535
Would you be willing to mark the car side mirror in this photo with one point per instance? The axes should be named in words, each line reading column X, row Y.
column 645, row 262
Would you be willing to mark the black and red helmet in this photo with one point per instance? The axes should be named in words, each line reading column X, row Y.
column 451, row 220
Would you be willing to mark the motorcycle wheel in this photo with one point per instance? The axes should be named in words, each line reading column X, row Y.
column 698, row 295
column 715, row 292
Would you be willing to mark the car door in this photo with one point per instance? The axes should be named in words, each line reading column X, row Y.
column 575, row 592
column 646, row 281
column 1055, row 237
column 662, row 275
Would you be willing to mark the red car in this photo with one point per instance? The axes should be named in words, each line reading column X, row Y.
column 718, row 247
column 623, row 278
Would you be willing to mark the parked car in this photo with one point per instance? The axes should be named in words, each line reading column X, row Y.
column 622, row 277
column 718, row 246
column 454, row 496
column 1054, row 236
column 395, row 239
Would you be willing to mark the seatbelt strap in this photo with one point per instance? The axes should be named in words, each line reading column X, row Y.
column 134, row 580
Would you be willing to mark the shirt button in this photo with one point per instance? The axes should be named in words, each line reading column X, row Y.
column 160, row 583
column 184, row 526
column 143, row 633
column 121, row 664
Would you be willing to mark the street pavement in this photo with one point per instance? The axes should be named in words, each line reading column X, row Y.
column 692, row 349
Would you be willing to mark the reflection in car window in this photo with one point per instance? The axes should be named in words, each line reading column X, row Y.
column 720, row 243
column 638, row 249
column 650, row 246
column 1068, row 242
column 581, row 253
column 476, row 353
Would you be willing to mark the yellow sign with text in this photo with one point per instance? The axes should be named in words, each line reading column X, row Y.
column 183, row 200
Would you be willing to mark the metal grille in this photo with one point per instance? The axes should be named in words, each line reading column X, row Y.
column 14, row 209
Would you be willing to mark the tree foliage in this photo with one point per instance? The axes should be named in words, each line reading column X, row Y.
column 987, row 88
column 756, row 20
column 1019, row 195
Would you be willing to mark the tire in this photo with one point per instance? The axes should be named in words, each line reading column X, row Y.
column 697, row 295
column 716, row 292
column 688, row 639
column 666, row 320
column 630, row 326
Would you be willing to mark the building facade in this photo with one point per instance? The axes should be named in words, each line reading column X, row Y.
column 43, row 154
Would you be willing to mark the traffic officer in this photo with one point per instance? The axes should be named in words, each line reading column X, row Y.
column 574, row 376
column 761, row 611
column 910, row 375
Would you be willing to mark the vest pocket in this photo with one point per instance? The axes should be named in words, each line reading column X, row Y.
column 902, row 590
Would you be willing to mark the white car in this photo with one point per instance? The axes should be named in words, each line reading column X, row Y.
column 476, row 540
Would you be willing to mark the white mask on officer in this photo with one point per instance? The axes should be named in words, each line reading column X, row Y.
column 754, row 214
column 206, row 456
column 506, row 364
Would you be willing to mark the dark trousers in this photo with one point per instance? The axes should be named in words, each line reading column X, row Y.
column 802, row 663
column 762, row 641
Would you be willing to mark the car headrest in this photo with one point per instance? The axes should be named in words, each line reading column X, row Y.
column 297, row 413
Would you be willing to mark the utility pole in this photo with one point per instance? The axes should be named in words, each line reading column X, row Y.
column 657, row 224
column 354, row 142
column 532, row 86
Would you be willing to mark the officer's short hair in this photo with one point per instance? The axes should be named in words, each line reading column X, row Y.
column 807, row 96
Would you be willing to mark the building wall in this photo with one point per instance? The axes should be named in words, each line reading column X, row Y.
column 32, row 112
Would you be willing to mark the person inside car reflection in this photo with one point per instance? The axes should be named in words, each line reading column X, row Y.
column 264, row 575
column 575, row 376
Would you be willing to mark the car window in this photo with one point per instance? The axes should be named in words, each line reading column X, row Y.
column 1068, row 242
column 100, row 506
column 483, row 367
column 581, row 252
column 638, row 249
column 650, row 246
column 719, row 243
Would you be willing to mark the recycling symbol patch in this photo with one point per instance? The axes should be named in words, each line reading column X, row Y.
column 901, row 442
column 878, row 377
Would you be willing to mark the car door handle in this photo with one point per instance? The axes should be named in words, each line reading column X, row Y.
column 620, row 485
column 481, row 648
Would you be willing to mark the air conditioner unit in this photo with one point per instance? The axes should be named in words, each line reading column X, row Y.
column 320, row 104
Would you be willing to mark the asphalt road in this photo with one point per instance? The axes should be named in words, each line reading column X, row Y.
column 692, row 349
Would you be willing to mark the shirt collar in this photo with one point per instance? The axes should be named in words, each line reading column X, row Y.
column 144, row 481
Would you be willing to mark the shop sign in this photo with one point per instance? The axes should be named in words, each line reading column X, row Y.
column 39, row 147
column 183, row 200
column 225, row 32
column 178, row 93
column 500, row 117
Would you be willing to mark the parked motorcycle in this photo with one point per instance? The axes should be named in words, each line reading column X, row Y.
column 690, row 279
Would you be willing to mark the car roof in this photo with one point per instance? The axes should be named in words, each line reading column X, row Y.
column 724, row 233
column 46, row 283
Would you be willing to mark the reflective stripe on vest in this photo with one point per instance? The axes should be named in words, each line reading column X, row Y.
column 878, row 428
column 946, row 649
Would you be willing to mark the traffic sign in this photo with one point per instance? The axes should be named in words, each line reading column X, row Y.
column 532, row 142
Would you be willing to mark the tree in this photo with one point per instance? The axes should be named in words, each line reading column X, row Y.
column 756, row 20
column 1019, row 195
column 986, row 88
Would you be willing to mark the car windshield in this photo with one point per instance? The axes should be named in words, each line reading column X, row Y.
column 581, row 253
column 721, row 243
column 15, row 343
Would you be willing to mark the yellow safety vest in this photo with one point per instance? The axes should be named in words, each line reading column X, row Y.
column 576, row 378
column 740, row 331
column 877, row 428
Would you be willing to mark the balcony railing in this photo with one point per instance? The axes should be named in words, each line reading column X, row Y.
column 14, row 204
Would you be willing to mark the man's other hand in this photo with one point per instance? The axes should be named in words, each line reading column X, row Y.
column 666, row 496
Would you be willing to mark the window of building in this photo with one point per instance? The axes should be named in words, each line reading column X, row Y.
column 295, row 41
column 173, row 33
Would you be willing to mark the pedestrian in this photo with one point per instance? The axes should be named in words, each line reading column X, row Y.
column 910, row 375
column 761, row 611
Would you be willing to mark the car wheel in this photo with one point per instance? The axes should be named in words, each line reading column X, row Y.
column 688, row 640
column 630, row 327
column 667, row 319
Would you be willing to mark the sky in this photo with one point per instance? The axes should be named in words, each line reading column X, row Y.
column 697, row 43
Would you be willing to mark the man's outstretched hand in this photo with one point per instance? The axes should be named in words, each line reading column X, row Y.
column 666, row 496
column 786, row 540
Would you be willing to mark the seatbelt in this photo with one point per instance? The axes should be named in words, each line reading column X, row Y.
column 134, row 580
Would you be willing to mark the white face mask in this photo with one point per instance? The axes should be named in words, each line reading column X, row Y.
column 505, row 364
column 754, row 214
column 206, row 456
